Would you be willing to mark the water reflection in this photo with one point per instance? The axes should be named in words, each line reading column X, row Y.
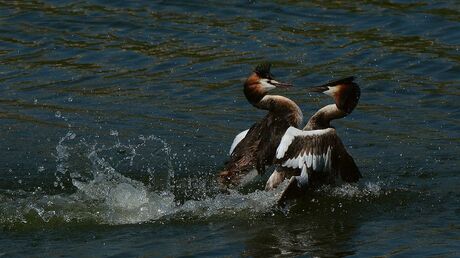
column 305, row 235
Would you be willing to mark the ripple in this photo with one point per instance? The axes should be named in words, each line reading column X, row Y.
column 174, row 71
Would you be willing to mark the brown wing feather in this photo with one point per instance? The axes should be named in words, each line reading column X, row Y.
column 301, row 145
column 270, row 137
column 345, row 165
column 317, row 144
column 256, row 150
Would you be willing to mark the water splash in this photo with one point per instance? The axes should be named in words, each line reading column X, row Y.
column 110, row 197
column 369, row 189
column 104, row 193
column 62, row 157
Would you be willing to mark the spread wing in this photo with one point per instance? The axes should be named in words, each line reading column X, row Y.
column 256, row 147
column 317, row 150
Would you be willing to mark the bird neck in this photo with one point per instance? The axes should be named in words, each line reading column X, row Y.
column 253, row 90
column 283, row 107
column 322, row 118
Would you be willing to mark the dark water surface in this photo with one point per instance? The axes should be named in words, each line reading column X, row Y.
column 116, row 116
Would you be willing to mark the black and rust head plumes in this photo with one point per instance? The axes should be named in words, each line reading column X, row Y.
column 260, row 82
column 263, row 70
column 345, row 92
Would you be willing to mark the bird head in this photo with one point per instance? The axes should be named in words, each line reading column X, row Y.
column 345, row 93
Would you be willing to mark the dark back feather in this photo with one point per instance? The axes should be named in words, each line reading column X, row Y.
column 257, row 150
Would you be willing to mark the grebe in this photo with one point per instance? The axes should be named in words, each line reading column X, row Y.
column 315, row 155
column 254, row 149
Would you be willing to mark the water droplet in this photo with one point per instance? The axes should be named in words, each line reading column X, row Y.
column 114, row 132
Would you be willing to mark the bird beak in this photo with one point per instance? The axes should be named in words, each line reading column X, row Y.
column 280, row 84
column 319, row 89
column 328, row 90
column 334, row 88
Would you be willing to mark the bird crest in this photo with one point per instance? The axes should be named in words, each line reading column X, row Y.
column 263, row 70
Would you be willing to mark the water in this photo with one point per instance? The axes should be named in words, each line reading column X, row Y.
column 115, row 118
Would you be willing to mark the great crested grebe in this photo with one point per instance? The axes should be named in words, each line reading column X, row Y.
column 316, row 155
column 254, row 149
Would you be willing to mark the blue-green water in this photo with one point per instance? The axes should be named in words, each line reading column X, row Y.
column 115, row 118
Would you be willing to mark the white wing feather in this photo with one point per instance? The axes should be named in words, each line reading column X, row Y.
column 316, row 162
column 237, row 140
column 289, row 136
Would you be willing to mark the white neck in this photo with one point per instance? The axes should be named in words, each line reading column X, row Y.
column 322, row 118
column 283, row 107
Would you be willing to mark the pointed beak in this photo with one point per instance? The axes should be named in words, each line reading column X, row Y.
column 319, row 89
column 330, row 91
column 334, row 88
column 280, row 84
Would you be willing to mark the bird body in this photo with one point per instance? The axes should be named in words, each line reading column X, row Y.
column 310, row 157
column 255, row 148
column 315, row 155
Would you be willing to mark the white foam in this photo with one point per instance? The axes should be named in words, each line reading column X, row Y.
column 107, row 196
column 356, row 190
